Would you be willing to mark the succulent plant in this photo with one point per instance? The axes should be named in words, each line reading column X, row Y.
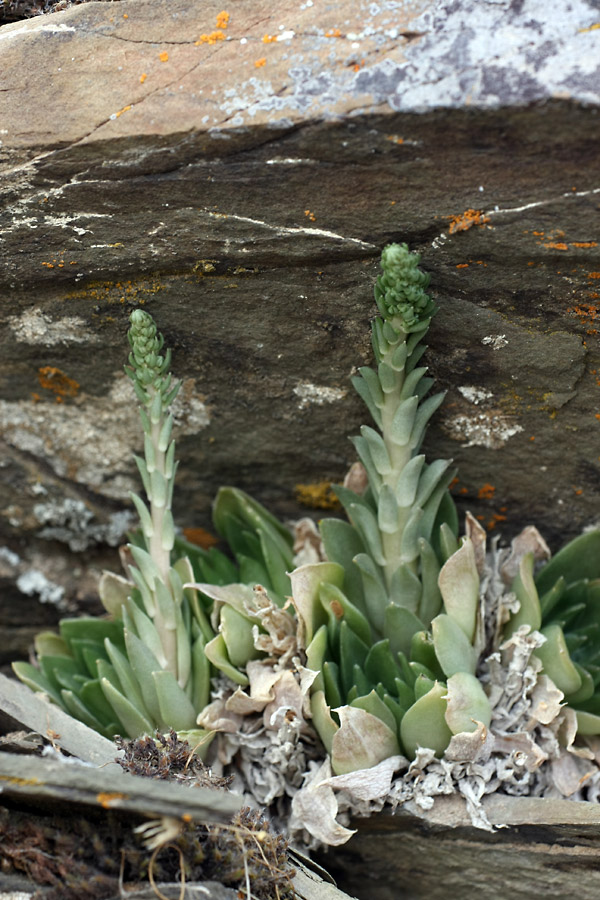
column 145, row 667
column 391, row 621
column 563, row 602
column 148, row 665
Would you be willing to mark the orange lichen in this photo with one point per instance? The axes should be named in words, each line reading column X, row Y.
column 466, row 220
column 109, row 799
column 260, row 62
column 55, row 380
column 211, row 38
column 496, row 517
column 201, row 537
column 593, row 274
column 462, row 266
column 317, row 496
column 143, row 77
column 311, row 216
column 584, row 245
column 486, row 491
column 164, row 56
column 120, row 113
column 554, row 245
column 578, row 491
column 587, row 312
column 333, row 32
column 269, row 38
column 223, row 19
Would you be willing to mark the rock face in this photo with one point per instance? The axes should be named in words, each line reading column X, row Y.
column 237, row 170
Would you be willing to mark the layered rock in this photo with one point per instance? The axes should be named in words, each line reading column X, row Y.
column 237, row 170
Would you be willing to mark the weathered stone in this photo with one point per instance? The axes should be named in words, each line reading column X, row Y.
column 541, row 848
column 240, row 178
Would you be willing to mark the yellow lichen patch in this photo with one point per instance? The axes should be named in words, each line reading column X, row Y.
column 593, row 27
column 309, row 215
column 223, row 19
column 317, row 496
column 121, row 111
column 269, row 38
column 164, row 56
column 108, row 800
column 464, row 221
column 258, row 63
column 119, row 291
column 22, row 782
column 333, row 33
column 200, row 537
column 55, row 380
column 143, row 77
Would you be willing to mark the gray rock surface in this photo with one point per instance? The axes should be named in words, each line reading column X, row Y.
column 239, row 178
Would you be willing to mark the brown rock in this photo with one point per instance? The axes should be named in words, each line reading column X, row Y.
column 149, row 156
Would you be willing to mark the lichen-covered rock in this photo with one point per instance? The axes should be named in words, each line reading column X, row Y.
column 237, row 170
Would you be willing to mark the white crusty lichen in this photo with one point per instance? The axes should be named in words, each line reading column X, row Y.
column 72, row 522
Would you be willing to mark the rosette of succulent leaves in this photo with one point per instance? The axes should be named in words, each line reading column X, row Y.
column 147, row 665
column 562, row 602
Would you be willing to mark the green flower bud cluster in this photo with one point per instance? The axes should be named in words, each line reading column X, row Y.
column 146, row 366
column 400, row 291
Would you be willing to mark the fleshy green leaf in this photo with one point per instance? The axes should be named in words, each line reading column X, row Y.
column 322, row 719
column 468, row 703
column 524, row 587
column 459, row 586
column 408, row 482
column 400, row 626
column 133, row 721
column 556, row 661
column 306, row 581
column 216, row 652
column 176, row 709
column 403, row 422
column 362, row 741
column 579, row 559
column 424, row 724
column 452, row 647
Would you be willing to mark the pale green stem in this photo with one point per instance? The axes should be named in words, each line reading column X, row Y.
column 160, row 556
column 399, row 457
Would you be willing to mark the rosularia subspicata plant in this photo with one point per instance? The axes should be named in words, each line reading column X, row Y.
column 562, row 602
column 391, row 620
column 145, row 668
column 148, row 665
